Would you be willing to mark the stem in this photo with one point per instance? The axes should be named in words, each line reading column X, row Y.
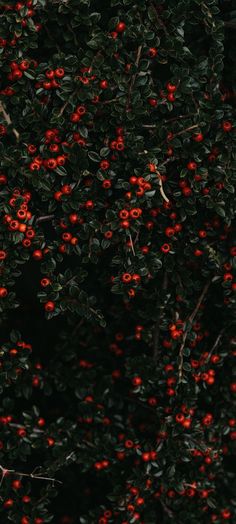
column 180, row 117
column 132, row 245
column 161, row 187
column 133, row 78
column 156, row 331
column 29, row 475
column 185, row 130
column 216, row 343
column 7, row 118
column 159, row 21
column 44, row 218
column 189, row 321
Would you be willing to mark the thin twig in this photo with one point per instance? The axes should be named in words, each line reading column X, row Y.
column 179, row 117
column 187, row 325
column 8, row 121
column 159, row 21
column 133, row 78
column 161, row 187
column 216, row 343
column 44, row 218
column 136, row 401
column 63, row 107
column 105, row 102
column 167, row 510
column 5, row 472
column 156, row 331
column 167, row 121
column 132, row 245
column 185, row 130
column 230, row 24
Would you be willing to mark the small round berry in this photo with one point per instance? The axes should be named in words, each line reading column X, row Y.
column 37, row 254
column 198, row 137
column 165, row 248
column 59, row 72
column 89, row 205
column 152, row 102
column 191, row 166
column 171, row 87
column 226, row 126
column 49, row 306
column 137, row 381
column 152, row 52
column 146, row 456
column 103, row 84
column 3, row 292
column 120, row 28
column 8, row 503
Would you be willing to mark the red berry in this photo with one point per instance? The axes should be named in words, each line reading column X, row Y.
column 152, row 52
column 8, row 503
column 137, row 381
column 24, row 65
column 171, row 87
column 165, row 248
column 146, row 456
column 125, row 224
column 191, row 166
column 3, row 292
column 49, row 306
column 103, row 84
column 126, row 278
column 50, row 441
column 104, row 165
column 152, row 102
column 198, row 137
column 227, row 126
column 45, row 282
column 121, row 26
column 233, row 387
column 89, row 204
column 25, row 520
column 41, row 422
column 225, row 514
column 49, row 74
column 179, row 418
column 171, row 97
column 26, row 499
column 59, row 72
column 37, row 254
column 16, row 484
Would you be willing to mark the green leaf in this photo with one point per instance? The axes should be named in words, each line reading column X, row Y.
column 94, row 156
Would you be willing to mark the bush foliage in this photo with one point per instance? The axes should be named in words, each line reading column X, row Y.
column 117, row 142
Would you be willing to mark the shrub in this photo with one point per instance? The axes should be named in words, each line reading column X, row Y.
column 117, row 249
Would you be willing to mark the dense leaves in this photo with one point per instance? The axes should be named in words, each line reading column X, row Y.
column 117, row 259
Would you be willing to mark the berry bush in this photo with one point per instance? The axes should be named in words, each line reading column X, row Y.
column 117, row 258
